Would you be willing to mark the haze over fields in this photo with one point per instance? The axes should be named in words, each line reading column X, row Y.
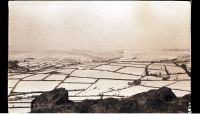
column 99, row 50
column 98, row 25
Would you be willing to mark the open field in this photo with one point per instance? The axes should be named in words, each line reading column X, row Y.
column 89, row 75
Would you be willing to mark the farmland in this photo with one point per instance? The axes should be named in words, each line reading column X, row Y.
column 93, row 74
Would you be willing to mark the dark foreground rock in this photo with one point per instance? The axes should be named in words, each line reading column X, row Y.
column 161, row 100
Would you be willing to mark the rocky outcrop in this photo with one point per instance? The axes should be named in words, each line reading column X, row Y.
column 49, row 100
column 161, row 100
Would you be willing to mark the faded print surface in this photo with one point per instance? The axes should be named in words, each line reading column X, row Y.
column 97, row 47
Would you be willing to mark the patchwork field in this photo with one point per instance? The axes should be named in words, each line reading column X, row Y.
column 93, row 75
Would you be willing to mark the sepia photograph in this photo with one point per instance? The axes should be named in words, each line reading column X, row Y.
column 99, row 57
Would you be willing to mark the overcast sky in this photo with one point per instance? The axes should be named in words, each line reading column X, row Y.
column 107, row 25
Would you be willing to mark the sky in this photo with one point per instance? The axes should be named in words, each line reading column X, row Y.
column 99, row 25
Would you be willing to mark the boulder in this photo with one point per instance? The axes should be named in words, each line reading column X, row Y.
column 49, row 100
column 162, row 100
